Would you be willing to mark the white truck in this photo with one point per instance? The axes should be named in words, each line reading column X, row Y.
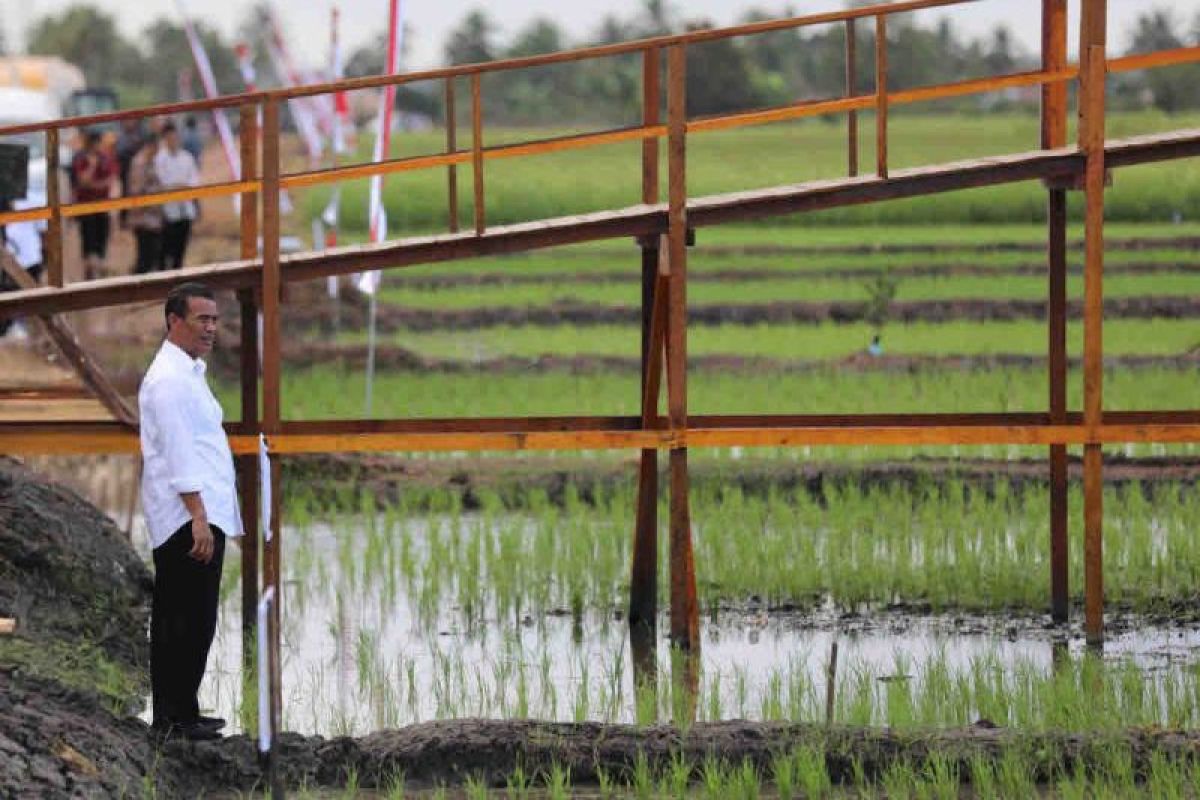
column 41, row 88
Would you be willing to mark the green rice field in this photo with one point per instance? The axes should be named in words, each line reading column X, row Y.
column 406, row 604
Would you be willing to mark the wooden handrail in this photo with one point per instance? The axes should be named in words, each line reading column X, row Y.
column 799, row 110
column 579, row 54
column 809, row 108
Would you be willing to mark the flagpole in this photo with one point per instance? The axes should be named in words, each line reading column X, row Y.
column 370, row 282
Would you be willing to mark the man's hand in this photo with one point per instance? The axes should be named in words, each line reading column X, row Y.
column 202, row 541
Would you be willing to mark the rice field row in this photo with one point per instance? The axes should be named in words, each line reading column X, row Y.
column 332, row 391
column 795, row 342
column 628, row 293
column 941, row 546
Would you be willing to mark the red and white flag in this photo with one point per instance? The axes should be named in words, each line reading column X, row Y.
column 341, row 102
column 204, row 67
column 302, row 110
column 368, row 282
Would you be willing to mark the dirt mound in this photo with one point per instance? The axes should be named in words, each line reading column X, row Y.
column 490, row 751
column 56, row 548
column 80, row 595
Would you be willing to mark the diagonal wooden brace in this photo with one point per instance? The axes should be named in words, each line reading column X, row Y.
column 72, row 350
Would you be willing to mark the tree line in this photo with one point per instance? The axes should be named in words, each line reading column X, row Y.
column 725, row 75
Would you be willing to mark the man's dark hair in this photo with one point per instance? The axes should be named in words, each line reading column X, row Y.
column 190, row 122
column 169, row 128
column 177, row 298
column 92, row 138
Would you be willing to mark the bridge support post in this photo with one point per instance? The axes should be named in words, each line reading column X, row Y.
column 272, row 408
column 247, row 466
column 643, row 584
column 1092, row 71
column 1054, row 135
column 685, row 610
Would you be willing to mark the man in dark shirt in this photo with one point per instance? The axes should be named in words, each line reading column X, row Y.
column 93, row 172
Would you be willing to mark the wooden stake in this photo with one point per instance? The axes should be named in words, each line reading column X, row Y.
column 881, row 96
column 272, row 406
column 685, row 611
column 54, row 227
column 851, row 90
column 451, row 147
column 1092, row 133
column 1054, row 135
column 643, row 583
column 477, row 150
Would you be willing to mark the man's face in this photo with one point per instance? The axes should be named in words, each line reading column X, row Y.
column 172, row 140
column 196, row 332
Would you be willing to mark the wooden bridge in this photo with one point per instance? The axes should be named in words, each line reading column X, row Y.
column 662, row 230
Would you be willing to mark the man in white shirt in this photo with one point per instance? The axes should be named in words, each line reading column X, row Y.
column 24, row 241
column 176, row 169
column 191, row 506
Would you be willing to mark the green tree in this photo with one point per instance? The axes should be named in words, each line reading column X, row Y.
column 88, row 38
column 472, row 41
column 1174, row 88
column 168, row 54
column 718, row 76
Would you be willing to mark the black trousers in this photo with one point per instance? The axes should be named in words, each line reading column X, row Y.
column 93, row 234
column 149, row 250
column 182, row 624
column 175, row 242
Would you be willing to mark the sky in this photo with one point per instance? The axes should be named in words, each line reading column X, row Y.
column 308, row 20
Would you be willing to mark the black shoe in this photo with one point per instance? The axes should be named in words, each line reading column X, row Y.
column 192, row 731
column 215, row 723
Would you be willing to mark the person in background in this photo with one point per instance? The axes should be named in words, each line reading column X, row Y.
column 875, row 348
column 146, row 221
column 191, row 140
column 176, row 169
column 93, row 172
column 129, row 141
column 25, row 242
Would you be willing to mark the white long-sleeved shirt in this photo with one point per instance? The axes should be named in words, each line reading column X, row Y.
column 184, row 447
column 24, row 239
column 177, row 171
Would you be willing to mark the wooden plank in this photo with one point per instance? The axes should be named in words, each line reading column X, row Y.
column 73, row 438
column 1054, row 135
column 54, row 229
column 851, row 91
column 881, row 96
column 73, row 351
column 451, row 147
column 477, row 152
column 1093, row 542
